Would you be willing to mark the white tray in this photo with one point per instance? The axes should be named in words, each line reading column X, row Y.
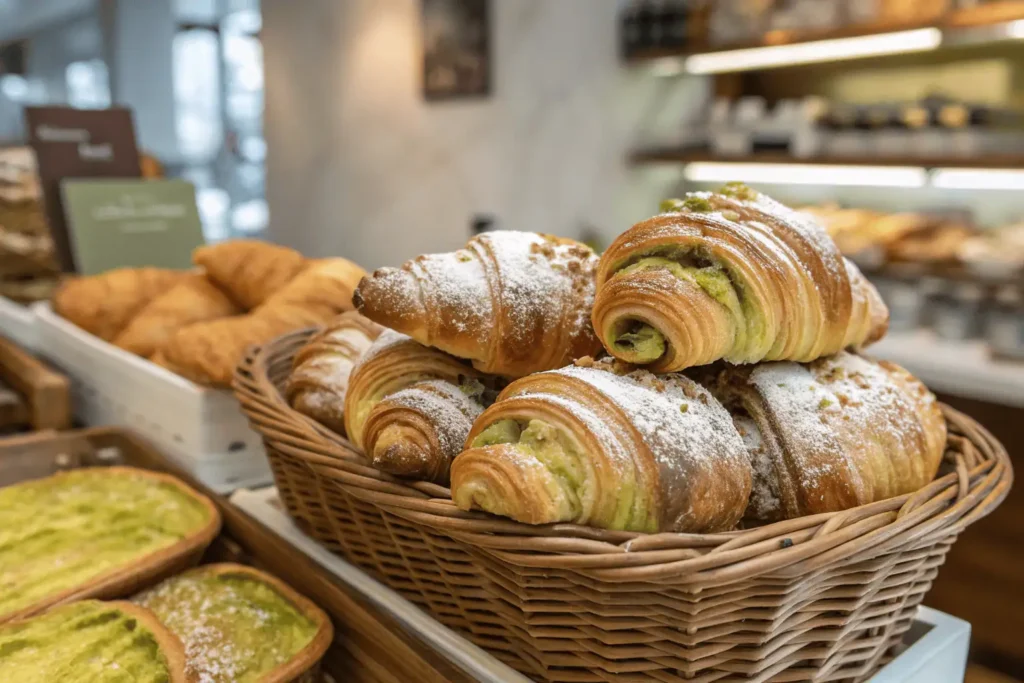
column 18, row 324
column 203, row 429
column 935, row 647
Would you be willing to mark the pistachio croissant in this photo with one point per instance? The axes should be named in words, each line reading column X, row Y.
column 617, row 451
column 730, row 275
column 511, row 302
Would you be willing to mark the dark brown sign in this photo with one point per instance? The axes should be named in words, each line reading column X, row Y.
column 78, row 143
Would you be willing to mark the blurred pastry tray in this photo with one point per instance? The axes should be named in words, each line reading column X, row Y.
column 934, row 651
column 202, row 429
column 18, row 324
column 375, row 638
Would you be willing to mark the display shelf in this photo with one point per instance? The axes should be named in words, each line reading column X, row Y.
column 960, row 368
column 668, row 155
column 966, row 27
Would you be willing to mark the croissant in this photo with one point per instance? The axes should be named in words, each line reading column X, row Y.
column 512, row 302
column 733, row 275
column 321, row 368
column 392, row 363
column 418, row 431
column 618, row 451
column 837, row 433
column 326, row 283
column 249, row 271
column 193, row 300
column 104, row 304
column 208, row 352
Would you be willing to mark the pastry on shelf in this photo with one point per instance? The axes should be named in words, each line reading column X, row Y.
column 730, row 275
column 616, row 448
column 194, row 299
column 208, row 352
column 585, row 444
column 320, row 369
column 324, row 283
column 249, row 271
column 104, row 304
column 239, row 625
column 511, row 302
column 85, row 532
column 91, row 641
column 939, row 243
column 995, row 253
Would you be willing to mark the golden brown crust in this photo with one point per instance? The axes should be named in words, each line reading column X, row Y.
column 249, row 271
column 512, row 302
column 104, row 304
column 646, row 462
column 327, row 283
column 208, row 352
column 143, row 570
column 193, row 300
column 416, row 432
column 837, row 433
column 393, row 363
column 803, row 299
column 320, row 370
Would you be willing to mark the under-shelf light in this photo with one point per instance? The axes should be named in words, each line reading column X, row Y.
column 978, row 179
column 806, row 174
column 898, row 42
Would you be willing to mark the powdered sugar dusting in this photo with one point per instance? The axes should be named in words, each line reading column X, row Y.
column 689, row 433
column 764, row 492
column 386, row 340
column 234, row 627
column 830, row 410
column 451, row 411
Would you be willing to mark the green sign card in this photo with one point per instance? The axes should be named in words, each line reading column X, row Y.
column 116, row 223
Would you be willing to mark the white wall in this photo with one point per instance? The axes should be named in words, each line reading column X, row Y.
column 360, row 165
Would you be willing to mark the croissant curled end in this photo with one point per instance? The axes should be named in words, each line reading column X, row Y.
column 504, row 481
column 407, row 449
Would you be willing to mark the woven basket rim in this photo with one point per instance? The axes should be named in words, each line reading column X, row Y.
column 142, row 568
column 980, row 479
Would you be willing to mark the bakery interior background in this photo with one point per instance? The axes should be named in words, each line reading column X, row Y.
column 382, row 129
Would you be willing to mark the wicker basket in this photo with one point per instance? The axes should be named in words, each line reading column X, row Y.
column 819, row 598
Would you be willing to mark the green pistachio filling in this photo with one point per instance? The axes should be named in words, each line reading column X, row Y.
column 638, row 342
column 557, row 452
column 84, row 642
column 62, row 532
column 235, row 628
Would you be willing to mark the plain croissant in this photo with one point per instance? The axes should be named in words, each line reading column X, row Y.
column 104, row 304
column 733, row 276
column 193, row 300
column 249, row 271
column 512, row 302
